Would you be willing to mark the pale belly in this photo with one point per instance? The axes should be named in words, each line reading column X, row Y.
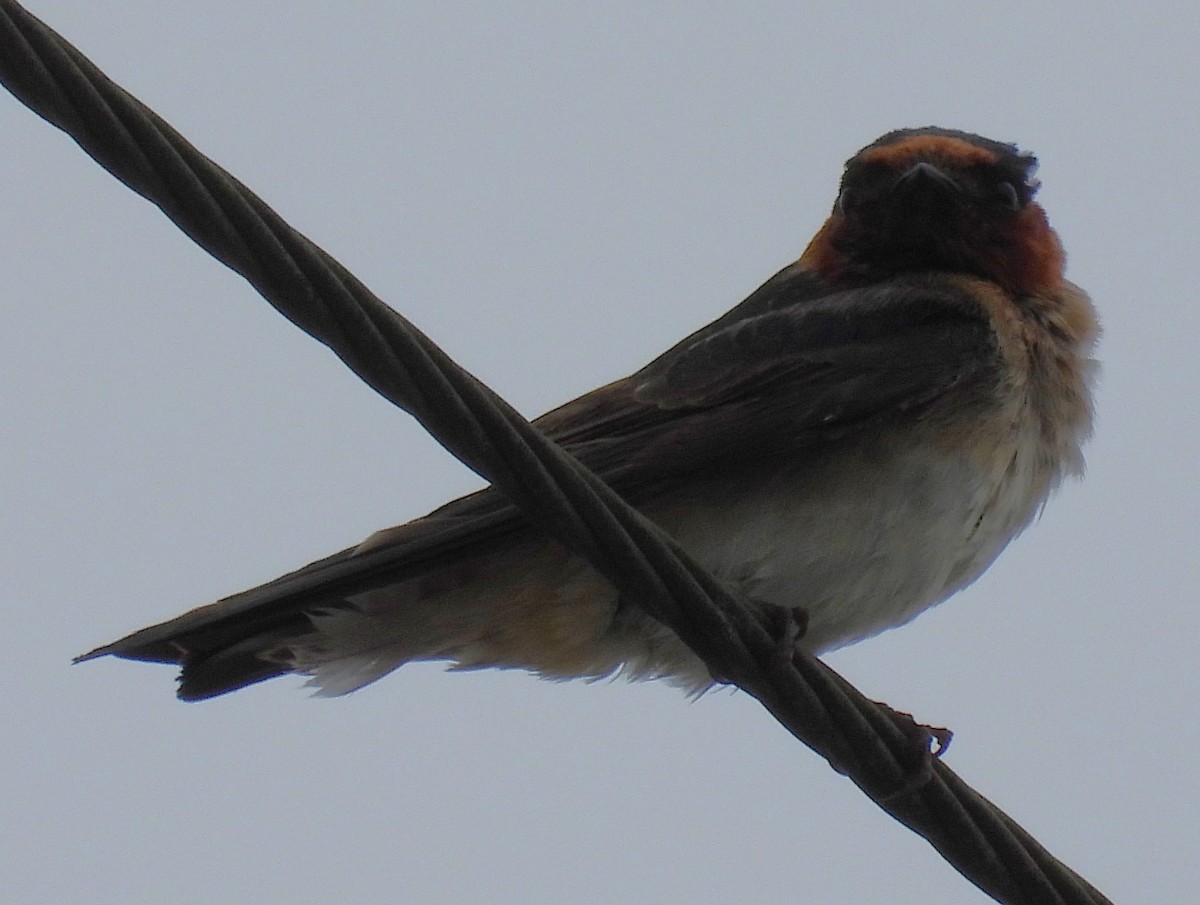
column 867, row 545
column 862, row 541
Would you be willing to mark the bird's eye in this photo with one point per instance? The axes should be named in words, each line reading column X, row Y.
column 1008, row 194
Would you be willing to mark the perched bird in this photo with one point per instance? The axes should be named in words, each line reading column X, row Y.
column 858, row 439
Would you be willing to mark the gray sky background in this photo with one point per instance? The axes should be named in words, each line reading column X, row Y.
column 556, row 193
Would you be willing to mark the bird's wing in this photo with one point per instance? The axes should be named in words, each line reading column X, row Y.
column 782, row 379
column 792, row 366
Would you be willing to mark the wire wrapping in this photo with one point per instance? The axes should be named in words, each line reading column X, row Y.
column 882, row 752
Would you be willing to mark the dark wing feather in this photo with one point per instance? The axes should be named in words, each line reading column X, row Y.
column 780, row 380
column 792, row 366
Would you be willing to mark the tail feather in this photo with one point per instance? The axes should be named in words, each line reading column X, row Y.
column 236, row 642
column 207, row 677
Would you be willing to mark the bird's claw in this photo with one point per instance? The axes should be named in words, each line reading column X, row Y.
column 925, row 744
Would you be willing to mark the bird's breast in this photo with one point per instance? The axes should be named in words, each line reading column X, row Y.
column 867, row 536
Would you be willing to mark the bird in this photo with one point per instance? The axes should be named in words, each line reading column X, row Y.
column 855, row 442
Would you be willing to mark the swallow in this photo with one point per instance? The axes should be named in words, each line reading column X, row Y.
column 858, row 440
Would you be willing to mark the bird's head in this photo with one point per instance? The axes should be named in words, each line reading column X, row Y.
column 920, row 200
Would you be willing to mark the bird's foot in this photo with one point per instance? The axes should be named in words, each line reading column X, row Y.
column 787, row 625
column 924, row 745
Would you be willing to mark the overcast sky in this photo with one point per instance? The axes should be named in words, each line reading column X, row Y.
column 556, row 193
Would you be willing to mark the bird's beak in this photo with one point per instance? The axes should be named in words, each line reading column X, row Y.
column 925, row 179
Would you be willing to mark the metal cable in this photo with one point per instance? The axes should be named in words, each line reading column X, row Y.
column 883, row 752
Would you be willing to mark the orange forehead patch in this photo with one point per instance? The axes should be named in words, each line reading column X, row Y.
column 952, row 151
